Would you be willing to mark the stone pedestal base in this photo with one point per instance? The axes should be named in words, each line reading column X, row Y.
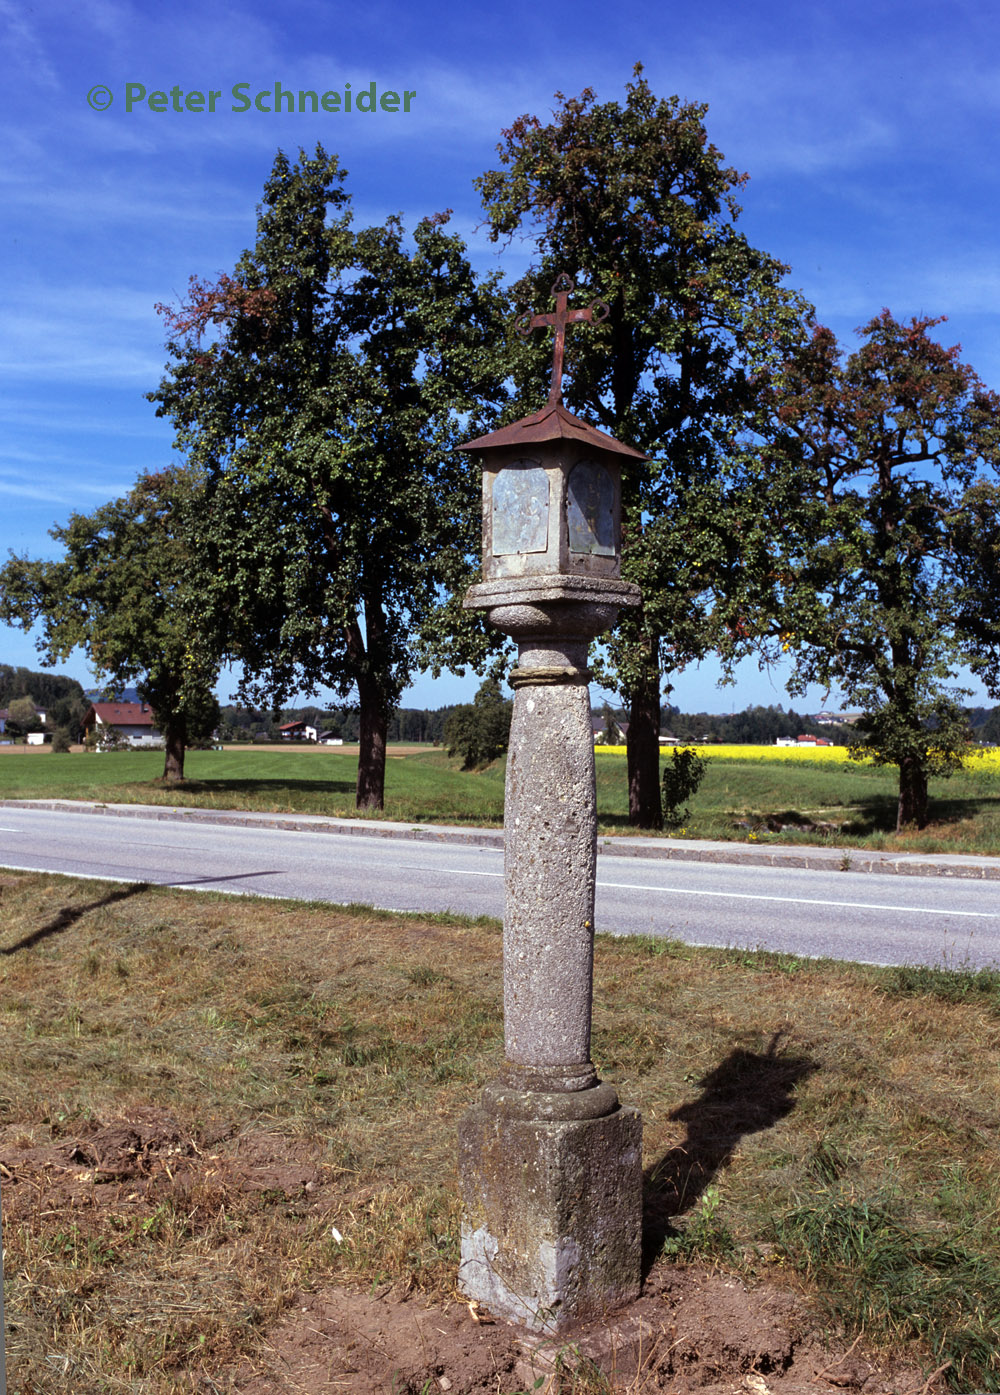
column 552, row 1224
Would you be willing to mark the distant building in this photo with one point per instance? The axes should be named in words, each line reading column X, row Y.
column 132, row 721
column 294, row 731
column 837, row 719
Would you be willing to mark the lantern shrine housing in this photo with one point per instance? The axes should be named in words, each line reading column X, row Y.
column 552, row 495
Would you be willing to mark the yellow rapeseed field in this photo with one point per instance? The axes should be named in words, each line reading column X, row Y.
column 980, row 759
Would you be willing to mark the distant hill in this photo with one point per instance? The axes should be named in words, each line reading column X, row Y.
column 122, row 695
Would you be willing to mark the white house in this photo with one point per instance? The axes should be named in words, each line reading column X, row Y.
column 131, row 720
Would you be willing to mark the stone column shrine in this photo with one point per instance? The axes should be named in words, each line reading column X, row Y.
column 550, row 1162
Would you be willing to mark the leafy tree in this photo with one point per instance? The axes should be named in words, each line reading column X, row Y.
column 325, row 411
column 22, row 717
column 871, row 514
column 635, row 200
column 125, row 591
column 479, row 731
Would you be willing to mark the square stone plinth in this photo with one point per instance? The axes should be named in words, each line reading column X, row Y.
column 552, row 1221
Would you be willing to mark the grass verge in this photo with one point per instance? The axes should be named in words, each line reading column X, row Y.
column 814, row 801
column 200, row 1091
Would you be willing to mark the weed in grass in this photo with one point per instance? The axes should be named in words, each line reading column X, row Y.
column 949, row 985
column 423, row 975
column 901, row 1284
column 827, row 1164
column 705, row 1236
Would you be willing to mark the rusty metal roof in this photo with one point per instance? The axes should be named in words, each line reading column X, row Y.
column 552, row 423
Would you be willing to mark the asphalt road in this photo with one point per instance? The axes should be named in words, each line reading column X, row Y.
column 846, row 915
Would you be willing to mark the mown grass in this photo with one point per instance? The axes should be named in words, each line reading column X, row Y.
column 286, row 1069
column 422, row 787
column 769, row 798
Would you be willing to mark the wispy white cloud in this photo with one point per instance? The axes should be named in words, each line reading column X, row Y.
column 82, row 332
column 23, row 46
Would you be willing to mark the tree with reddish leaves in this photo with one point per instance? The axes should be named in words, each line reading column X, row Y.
column 321, row 387
column 870, row 539
column 634, row 202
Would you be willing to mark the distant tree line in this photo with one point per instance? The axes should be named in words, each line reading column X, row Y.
column 755, row 726
column 404, row 724
column 477, row 731
column 24, row 694
column 762, row 726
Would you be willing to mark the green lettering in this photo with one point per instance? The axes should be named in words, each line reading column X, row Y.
column 243, row 96
column 177, row 96
column 365, row 101
column 314, row 100
column 406, row 99
column 212, row 98
column 389, row 101
column 134, row 92
column 157, row 101
column 258, row 103
column 195, row 101
column 331, row 101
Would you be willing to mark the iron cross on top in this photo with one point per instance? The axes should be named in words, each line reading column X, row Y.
column 562, row 316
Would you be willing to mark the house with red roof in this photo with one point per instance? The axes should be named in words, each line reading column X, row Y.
column 131, row 721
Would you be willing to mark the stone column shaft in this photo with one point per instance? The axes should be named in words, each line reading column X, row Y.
column 550, row 849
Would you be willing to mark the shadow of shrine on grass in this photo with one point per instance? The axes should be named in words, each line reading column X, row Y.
column 69, row 915
column 746, row 1093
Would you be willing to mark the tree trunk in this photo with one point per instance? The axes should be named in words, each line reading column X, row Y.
column 371, row 755
column 912, row 811
column 645, row 807
column 175, row 741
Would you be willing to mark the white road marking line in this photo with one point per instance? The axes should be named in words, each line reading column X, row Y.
column 800, row 900
column 733, row 895
column 451, row 871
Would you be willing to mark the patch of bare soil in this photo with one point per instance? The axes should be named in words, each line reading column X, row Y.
column 693, row 1330
column 99, row 1168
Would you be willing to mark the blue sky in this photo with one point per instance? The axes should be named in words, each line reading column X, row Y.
column 869, row 132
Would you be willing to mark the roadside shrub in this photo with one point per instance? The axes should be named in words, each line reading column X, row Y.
column 682, row 775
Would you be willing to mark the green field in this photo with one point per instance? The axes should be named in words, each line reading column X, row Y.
column 198, row 1088
column 767, row 799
